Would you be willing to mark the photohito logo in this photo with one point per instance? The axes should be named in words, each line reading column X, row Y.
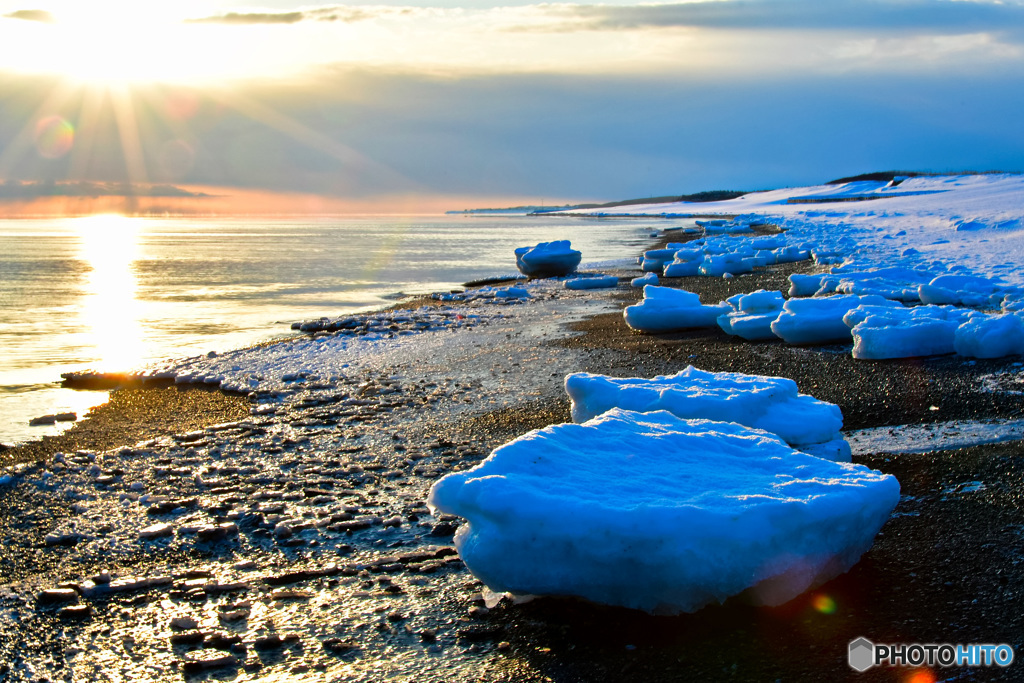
column 864, row 654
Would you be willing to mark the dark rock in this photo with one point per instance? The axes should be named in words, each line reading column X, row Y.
column 443, row 529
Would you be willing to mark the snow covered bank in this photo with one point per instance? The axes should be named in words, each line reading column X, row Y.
column 654, row 512
column 773, row 404
column 967, row 225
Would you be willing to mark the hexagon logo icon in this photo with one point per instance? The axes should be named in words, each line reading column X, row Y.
column 862, row 654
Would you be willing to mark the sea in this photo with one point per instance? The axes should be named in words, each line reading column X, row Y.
column 115, row 293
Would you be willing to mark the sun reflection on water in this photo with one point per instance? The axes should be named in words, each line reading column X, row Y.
column 110, row 313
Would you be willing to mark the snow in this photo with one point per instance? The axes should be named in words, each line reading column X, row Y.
column 773, row 404
column 927, row 438
column 919, row 224
column 900, row 284
column 752, row 315
column 820, row 320
column 548, row 259
column 665, row 309
column 720, row 255
column 653, row 512
column 966, row 290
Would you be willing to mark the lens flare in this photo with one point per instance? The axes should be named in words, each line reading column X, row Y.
column 823, row 603
column 54, row 137
column 920, row 676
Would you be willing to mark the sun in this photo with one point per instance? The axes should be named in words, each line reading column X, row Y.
column 116, row 43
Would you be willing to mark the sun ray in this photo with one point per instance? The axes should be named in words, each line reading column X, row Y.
column 128, row 129
column 354, row 162
column 89, row 123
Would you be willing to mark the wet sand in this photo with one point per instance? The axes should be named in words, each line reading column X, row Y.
column 946, row 567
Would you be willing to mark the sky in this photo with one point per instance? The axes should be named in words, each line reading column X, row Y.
column 406, row 105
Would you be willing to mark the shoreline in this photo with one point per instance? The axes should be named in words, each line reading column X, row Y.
column 389, row 598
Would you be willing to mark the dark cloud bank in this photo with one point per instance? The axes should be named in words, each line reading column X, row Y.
column 580, row 137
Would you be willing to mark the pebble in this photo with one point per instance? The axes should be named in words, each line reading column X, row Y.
column 75, row 612
column 156, row 531
column 52, row 596
column 197, row 662
column 184, row 623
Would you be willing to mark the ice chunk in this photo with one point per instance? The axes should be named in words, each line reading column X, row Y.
column 770, row 403
column 805, row 285
column 990, row 336
column 686, row 263
column 665, row 309
column 653, row 512
column 548, row 259
column 964, row 290
column 880, row 333
column 592, row 282
column 735, row 263
column 752, row 315
column 820, row 320
column 649, row 279
column 655, row 259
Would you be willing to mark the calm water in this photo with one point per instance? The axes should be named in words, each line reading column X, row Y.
column 114, row 293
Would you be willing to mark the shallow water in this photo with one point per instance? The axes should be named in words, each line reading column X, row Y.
column 114, row 293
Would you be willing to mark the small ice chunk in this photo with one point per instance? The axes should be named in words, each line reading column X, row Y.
column 770, row 403
column 649, row 279
column 665, row 309
column 653, row 512
column 595, row 282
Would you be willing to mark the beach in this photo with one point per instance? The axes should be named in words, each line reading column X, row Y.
column 293, row 542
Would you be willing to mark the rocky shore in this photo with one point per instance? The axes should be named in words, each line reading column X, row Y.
column 188, row 535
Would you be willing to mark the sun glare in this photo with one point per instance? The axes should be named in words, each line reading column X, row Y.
column 109, row 246
column 123, row 42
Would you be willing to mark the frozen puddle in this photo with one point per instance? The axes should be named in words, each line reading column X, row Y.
column 941, row 436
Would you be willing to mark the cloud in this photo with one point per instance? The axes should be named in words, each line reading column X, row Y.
column 237, row 18
column 889, row 16
column 339, row 13
column 13, row 189
column 32, row 15
column 363, row 133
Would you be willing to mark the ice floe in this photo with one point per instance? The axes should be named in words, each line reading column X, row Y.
column 773, row 404
column 890, row 332
column 548, row 259
column 654, row 512
column 820, row 320
column 752, row 315
column 665, row 309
